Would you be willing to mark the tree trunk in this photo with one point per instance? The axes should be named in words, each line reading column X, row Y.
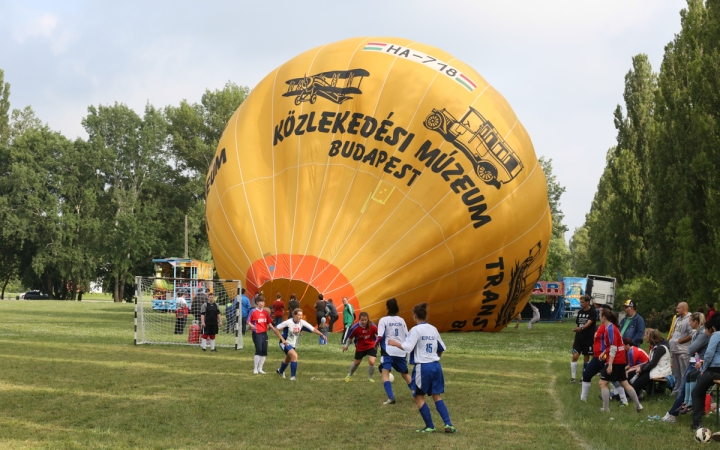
column 7, row 280
column 116, row 289
column 49, row 285
column 122, row 290
column 73, row 290
column 79, row 297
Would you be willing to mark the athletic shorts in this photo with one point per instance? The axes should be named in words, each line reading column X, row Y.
column 427, row 379
column 584, row 348
column 286, row 348
column 397, row 363
column 261, row 343
column 208, row 336
column 360, row 355
column 618, row 373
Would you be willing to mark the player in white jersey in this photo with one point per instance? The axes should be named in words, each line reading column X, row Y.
column 392, row 326
column 291, row 330
column 425, row 347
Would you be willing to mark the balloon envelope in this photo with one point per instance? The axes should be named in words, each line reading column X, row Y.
column 374, row 168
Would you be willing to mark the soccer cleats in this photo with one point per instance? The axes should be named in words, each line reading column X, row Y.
column 426, row 430
column 371, row 380
column 450, row 429
column 348, row 379
column 282, row 374
column 292, row 378
column 390, row 401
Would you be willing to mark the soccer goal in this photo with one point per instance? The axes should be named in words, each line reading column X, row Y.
column 167, row 310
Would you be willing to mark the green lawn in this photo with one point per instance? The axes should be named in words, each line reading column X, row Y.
column 70, row 377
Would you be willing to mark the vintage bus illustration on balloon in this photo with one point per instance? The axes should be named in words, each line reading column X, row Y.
column 492, row 158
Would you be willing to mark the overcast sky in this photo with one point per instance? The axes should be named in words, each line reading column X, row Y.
column 560, row 64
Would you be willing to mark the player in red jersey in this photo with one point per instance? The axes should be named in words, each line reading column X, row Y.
column 259, row 320
column 616, row 361
column 596, row 363
column 365, row 334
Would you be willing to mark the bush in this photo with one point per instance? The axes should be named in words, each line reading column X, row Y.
column 660, row 319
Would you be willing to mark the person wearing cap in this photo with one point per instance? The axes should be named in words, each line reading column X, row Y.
column 632, row 326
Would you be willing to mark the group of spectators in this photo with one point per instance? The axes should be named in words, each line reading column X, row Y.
column 690, row 357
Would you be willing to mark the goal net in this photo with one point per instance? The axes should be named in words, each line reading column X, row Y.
column 167, row 310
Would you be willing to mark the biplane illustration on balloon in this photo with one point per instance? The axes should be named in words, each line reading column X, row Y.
column 493, row 159
column 334, row 85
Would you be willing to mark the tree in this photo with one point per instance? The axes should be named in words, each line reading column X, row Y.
column 558, row 260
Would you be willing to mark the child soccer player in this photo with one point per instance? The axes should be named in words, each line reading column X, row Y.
column 365, row 332
column 425, row 347
column 291, row 331
column 392, row 326
column 259, row 321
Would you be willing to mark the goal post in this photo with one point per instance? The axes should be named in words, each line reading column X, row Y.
column 167, row 310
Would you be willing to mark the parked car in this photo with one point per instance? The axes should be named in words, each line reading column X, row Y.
column 34, row 295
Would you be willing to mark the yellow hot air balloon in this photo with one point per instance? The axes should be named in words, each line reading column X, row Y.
column 373, row 168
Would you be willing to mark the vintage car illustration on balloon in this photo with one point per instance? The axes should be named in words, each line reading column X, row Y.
column 335, row 85
column 492, row 158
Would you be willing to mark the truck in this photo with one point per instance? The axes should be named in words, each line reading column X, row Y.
column 601, row 289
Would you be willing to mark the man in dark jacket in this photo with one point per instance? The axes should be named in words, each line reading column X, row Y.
column 332, row 312
column 632, row 326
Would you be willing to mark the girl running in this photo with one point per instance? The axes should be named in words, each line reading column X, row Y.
column 259, row 321
column 365, row 332
column 291, row 331
column 392, row 326
column 596, row 363
column 425, row 347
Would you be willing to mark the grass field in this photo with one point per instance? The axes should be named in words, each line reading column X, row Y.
column 70, row 377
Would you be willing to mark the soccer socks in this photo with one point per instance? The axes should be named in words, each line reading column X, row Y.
column 633, row 396
column 203, row 343
column 606, row 398
column 573, row 369
column 585, row 390
column 283, row 366
column 442, row 410
column 388, row 389
column 620, row 391
column 425, row 413
column 261, row 363
column 212, row 344
column 257, row 362
column 353, row 368
column 293, row 368
column 371, row 371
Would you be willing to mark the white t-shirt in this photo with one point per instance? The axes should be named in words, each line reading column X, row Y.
column 392, row 327
column 423, row 343
column 180, row 303
column 291, row 330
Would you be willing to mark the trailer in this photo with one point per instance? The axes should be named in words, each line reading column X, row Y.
column 601, row 289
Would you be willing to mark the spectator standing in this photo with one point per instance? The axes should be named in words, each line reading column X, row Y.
column 332, row 313
column 323, row 328
column 348, row 317
column 710, row 311
column 246, row 307
column 679, row 343
column 320, row 309
column 181, row 313
column 278, row 309
column 197, row 303
column 293, row 304
column 632, row 326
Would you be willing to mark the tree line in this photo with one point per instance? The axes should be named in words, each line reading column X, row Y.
column 101, row 208
column 75, row 211
column 654, row 223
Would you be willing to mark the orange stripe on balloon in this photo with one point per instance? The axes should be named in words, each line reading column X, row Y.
column 275, row 267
